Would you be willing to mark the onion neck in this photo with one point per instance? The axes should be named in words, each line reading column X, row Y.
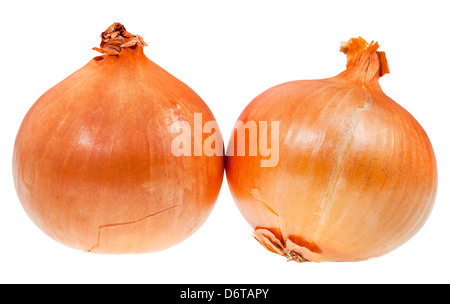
column 365, row 65
column 116, row 40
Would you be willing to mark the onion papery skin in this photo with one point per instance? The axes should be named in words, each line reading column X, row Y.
column 92, row 163
column 356, row 176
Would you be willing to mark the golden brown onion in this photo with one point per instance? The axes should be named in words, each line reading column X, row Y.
column 93, row 165
column 356, row 174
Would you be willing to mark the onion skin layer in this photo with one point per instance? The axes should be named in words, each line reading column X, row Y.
column 356, row 176
column 92, row 160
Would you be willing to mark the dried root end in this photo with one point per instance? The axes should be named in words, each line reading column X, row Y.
column 116, row 37
column 288, row 249
column 293, row 256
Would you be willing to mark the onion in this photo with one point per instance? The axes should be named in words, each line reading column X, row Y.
column 93, row 163
column 353, row 174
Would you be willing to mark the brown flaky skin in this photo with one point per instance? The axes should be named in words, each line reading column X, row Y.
column 93, row 166
column 356, row 176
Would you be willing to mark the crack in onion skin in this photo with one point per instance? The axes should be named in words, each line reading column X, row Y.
column 356, row 176
column 94, row 152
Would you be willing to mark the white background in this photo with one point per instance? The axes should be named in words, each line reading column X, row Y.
column 228, row 52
